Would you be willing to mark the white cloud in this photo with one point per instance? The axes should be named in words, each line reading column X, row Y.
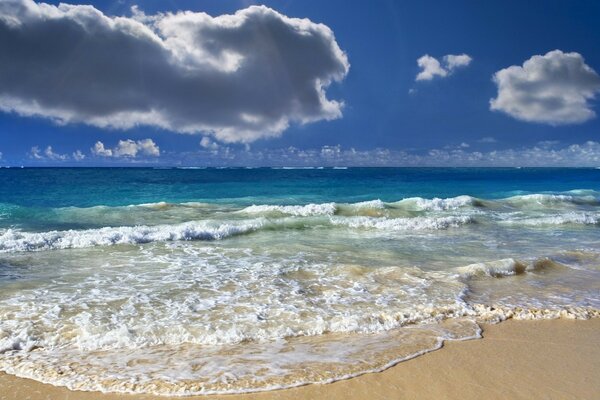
column 50, row 154
column 554, row 89
column 237, row 77
column 127, row 148
column 431, row 67
column 206, row 143
column 47, row 154
column 454, row 61
column 100, row 150
column 78, row 155
column 35, row 153
column 542, row 154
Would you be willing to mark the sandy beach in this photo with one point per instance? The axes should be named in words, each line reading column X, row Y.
column 548, row 359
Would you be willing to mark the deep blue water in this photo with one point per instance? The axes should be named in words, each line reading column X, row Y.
column 85, row 187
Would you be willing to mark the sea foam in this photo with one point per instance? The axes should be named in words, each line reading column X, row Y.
column 12, row 240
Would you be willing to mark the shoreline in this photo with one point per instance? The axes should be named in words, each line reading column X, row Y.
column 554, row 359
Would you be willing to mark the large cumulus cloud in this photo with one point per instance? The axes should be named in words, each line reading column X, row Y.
column 238, row 77
column 555, row 89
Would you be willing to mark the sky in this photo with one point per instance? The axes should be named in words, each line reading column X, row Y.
column 242, row 83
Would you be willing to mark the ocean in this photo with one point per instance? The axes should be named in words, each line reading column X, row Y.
column 195, row 281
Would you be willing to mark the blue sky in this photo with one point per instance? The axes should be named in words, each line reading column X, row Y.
column 446, row 120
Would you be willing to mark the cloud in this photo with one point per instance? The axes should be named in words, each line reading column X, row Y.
column 540, row 155
column 127, row 148
column 552, row 89
column 100, row 150
column 238, row 77
column 431, row 67
column 50, row 154
column 78, row 155
column 454, row 61
column 47, row 154
column 35, row 153
column 206, row 143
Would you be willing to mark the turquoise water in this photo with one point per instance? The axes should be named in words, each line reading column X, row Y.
column 181, row 281
column 86, row 187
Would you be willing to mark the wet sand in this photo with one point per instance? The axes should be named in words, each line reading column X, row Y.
column 549, row 359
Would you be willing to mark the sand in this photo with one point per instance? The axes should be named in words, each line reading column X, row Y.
column 550, row 359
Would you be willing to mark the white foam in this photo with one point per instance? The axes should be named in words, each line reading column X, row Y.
column 576, row 218
column 13, row 240
column 404, row 224
column 373, row 204
column 504, row 267
column 436, row 204
column 498, row 313
column 552, row 200
column 300, row 211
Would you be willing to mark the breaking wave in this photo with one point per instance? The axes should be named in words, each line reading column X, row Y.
column 12, row 240
column 163, row 221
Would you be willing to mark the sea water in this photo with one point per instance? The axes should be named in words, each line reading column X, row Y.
column 189, row 281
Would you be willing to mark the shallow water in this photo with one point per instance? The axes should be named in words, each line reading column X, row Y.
column 215, row 281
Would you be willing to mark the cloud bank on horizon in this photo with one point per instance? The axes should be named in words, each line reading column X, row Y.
column 239, row 77
column 146, row 151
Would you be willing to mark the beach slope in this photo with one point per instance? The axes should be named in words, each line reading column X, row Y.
column 548, row 359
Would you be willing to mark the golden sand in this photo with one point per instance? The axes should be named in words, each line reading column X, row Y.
column 548, row 359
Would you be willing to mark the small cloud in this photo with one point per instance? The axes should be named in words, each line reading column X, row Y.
column 553, row 89
column 100, row 150
column 208, row 144
column 331, row 151
column 487, row 139
column 47, row 154
column 127, row 148
column 78, row 155
column 431, row 67
column 35, row 153
column 50, row 154
column 464, row 145
column 454, row 61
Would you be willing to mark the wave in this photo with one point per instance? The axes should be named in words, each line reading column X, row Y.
column 405, row 224
column 437, row 204
column 504, row 267
column 546, row 200
column 539, row 201
column 574, row 218
column 313, row 209
column 301, row 211
column 12, row 240
column 29, row 229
